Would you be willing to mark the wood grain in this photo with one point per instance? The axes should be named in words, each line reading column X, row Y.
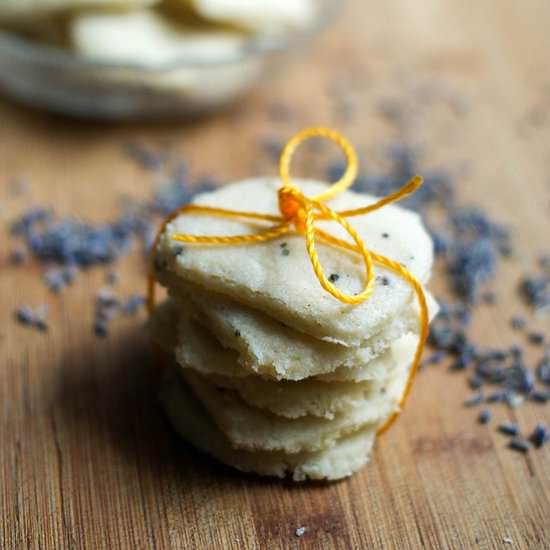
column 87, row 459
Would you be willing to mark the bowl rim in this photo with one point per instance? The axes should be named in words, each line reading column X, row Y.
column 255, row 46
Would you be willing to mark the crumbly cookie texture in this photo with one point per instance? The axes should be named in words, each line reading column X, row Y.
column 270, row 348
column 276, row 277
column 254, row 429
column 195, row 347
column 188, row 417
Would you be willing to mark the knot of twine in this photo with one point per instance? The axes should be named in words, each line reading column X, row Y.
column 298, row 215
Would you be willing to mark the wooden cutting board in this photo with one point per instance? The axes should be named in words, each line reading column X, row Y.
column 87, row 459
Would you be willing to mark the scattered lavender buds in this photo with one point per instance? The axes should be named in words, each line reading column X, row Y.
column 109, row 307
column 67, row 245
column 34, row 318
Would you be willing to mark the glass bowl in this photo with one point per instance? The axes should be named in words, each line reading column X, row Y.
column 58, row 80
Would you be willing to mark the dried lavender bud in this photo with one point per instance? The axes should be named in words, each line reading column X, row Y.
column 54, row 280
column 459, row 364
column 518, row 323
column 475, row 382
column 133, row 304
column 540, row 435
column 26, row 223
column 516, row 352
column 474, row 400
column 70, row 274
column 543, row 371
column 484, row 416
column 535, row 291
column 496, row 397
column 25, row 315
column 436, row 358
column 104, row 297
column 519, row 444
column 536, row 338
column 100, row 329
column 509, row 428
column 540, row 396
column 519, row 378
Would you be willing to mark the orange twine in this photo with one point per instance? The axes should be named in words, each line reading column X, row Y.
column 298, row 215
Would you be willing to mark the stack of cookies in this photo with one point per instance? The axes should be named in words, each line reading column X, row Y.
column 271, row 373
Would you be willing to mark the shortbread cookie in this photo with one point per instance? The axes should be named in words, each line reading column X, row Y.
column 253, row 429
column 268, row 347
column 195, row 347
column 277, row 277
column 32, row 9
column 144, row 37
column 308, row 397
column 188, row 417
column 198, row 349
